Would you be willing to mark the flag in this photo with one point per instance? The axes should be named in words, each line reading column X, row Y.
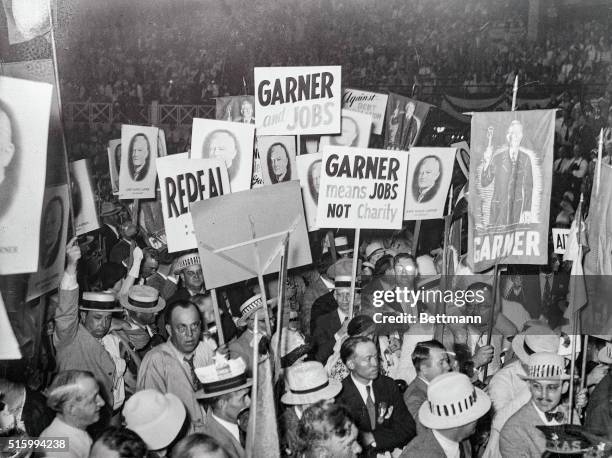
column 577, row 241
column 265, row 435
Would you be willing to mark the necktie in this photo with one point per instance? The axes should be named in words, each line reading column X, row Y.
column 547, row 291
column 557, row 416
column 195, row 382
column 371, row 408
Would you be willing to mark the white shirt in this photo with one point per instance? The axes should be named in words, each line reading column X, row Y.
column 362, row 390
column 79, row 440
column 543, row 417
column 343, row 316
column 450, row 447
column 231, row 427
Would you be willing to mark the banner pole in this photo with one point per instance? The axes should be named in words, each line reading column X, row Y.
column 599, row 159
column 332, row 246
column 584, row 362
column 514, row 93
column 354, row 272
column 260, row 279
column 415, row 240
column 299, row 145
column 252, row 427
column 213, row 295
column 492, row 316
column 441, row 306
column 282, row 276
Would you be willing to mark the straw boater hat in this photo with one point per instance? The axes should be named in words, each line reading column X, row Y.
column 545, row 366
column 187, row 260
column 143, row 299
column 605, row 354
column 157, row 418
column 109, row 209
column 250, row 306
column 373, row 247
column 452, row 401
column 222, row 377
column 99, row 302
column 344, row 281
column 537, row 338
column 308, row 383
column 341, row 244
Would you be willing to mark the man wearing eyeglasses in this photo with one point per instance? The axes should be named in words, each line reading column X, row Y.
column 170, row 367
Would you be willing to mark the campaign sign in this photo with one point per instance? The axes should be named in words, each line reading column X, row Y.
column 429, row 177
column 509, row 187
column 140, row 146
column 355, row 131
column 369, row 103
column 309, row 172
column 298, row 100
column 183, row 182
column 24, row 126
column 361, row 188
column 84, row 209
column 560, row 239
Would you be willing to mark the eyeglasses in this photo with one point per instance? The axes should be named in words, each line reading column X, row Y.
column 193, row 327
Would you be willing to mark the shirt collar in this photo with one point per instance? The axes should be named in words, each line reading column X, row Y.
column 450, row 447
column 343, row 316
column 232, row 428
column 362, row 388
column 543, row 416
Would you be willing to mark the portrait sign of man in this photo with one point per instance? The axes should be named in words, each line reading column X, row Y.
column 75, row 191
column 426, row 180
column 7, row 161
column 279, row 167
column 314, row 179
column 246, row 112
column 117, row 165
column 349, row 135
column 509, row 168
column 139, row 157
column 222, row 144
column 51, row 232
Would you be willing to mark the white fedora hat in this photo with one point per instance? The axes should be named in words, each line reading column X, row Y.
column 308, row 383
column 143, row 299
column 605, row 354
column 537, row 338
column 452, row 401
column 545, row 366
column 157, row 418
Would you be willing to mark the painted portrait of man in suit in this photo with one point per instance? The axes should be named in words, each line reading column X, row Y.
column 509, row 169
column 8, row 159
column 222, row 144
column 279, row 165
column 314, row 179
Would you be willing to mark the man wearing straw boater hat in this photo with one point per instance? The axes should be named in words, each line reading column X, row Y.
column 189, row 269
column 306, row 383
column 450, row 413
column 85, row 343
column 508, row 391
column 225, row 389
column 548, row 381
column 243, row 346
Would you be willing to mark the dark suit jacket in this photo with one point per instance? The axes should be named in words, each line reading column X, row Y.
column 414, row 396
column 532, row 295
column 519, row 437
column 217, row 431
column 288, row 431
column 393, row 433
column 323, row 339
column 429, row 194
column 324, row 304
column 512, row 187
column 109, row 237
column 599, row 408
column 314, row 291
column 409, row 130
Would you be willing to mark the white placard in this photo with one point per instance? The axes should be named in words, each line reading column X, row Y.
column 370, row 103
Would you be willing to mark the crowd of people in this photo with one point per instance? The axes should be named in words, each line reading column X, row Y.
column 170, row 57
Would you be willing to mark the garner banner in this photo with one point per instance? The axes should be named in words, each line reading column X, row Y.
column 510, row 182
column 183, row 182
column 361, row 188
column 298, row 100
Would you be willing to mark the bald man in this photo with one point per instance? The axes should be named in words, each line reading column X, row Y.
column 427, row 179
column 7, row 148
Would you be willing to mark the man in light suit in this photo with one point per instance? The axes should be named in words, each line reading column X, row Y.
column 450, row 414
column 547, row 383
column 373, row 400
